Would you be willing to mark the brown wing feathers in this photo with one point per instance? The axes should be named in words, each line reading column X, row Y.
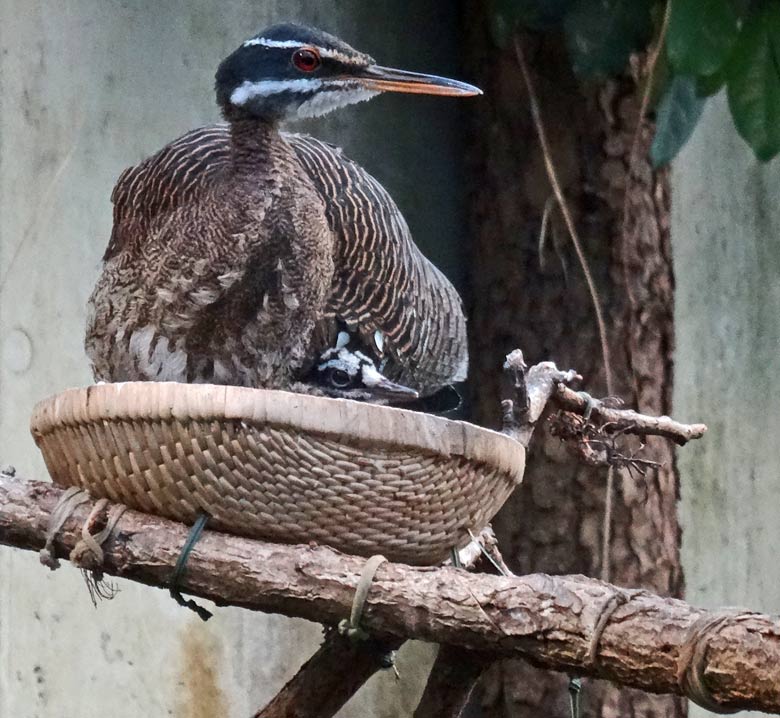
column 164, row 181
column 382, row 281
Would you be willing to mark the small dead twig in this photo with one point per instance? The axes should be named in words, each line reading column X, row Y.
column 595, row 424
column 627, row 421
column 596, row 445
column 472, row 555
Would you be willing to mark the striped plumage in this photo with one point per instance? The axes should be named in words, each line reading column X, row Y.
column 381, row 281
column 239, row 252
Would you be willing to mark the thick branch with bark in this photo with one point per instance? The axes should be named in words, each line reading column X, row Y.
column 566, row 623
column 453, row 676
column 341, row 667
column 329, row 678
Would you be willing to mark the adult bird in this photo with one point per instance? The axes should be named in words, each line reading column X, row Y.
column 240, row 253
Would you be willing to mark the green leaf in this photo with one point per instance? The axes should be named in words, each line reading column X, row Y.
column 754, row 82
column 709, row 85
column 700, row 36
column 677, row 116
column 601, row 34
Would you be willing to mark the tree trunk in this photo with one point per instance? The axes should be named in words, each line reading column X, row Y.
column 535, row 297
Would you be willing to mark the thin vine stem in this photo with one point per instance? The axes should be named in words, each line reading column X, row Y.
column 536, row 114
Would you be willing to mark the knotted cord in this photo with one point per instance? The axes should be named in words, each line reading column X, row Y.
column 350, row 627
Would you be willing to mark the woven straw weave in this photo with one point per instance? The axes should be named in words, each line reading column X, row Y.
column 282, row 467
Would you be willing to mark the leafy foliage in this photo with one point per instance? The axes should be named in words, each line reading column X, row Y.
column 754, row 82
column 708, row 44
column 700, row 36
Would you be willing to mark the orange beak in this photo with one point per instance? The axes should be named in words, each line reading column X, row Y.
column 388, row 79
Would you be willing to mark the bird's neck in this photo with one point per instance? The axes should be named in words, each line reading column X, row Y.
column 255, row 143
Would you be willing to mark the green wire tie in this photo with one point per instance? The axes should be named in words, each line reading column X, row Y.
column 192, row 538
column 575, row 691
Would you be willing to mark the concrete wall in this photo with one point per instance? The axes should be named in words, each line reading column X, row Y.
column 726, row 240
column 88, row 87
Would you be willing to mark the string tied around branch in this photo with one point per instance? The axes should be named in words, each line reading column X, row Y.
column 692, row 658
column 69, row 501
column 350, row 627
column 615, row 600
column 88, row 553
column 692, row 661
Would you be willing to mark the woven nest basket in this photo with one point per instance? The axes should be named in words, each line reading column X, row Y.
column 280, row 466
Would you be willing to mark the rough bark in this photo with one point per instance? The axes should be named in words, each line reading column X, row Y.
column 564, row 623
column 454, row 673
column 329, row 678
column 341, row 667
column 537, row 297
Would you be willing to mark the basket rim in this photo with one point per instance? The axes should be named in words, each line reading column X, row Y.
column 321, row 415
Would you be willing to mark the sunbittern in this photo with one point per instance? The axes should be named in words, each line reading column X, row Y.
column 244, row 255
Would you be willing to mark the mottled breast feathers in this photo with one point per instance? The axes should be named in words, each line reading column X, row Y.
column 384, row 290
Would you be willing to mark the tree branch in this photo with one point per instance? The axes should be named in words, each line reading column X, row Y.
column 339, row 668
column 565, row 623
column 627, row 421
column 532, row 390
column 457, row 670
column 329, row 678
column 453, row 676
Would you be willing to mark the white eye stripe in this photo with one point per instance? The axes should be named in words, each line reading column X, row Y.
column 340, row 93
column 347, row 366
column 272, row 43
column 290, row 44
column 370, row 376
column 265, row 88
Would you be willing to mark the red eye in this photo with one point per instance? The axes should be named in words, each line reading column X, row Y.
column 306, row 60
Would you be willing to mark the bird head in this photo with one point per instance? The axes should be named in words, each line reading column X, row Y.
column 350, row 374
column 290, row 72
